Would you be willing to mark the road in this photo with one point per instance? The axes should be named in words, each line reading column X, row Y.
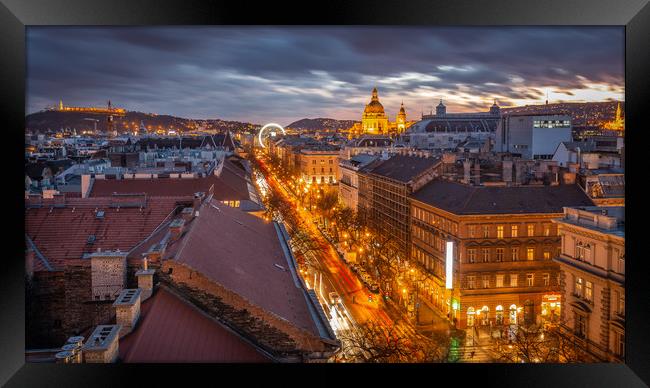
column 356, row 307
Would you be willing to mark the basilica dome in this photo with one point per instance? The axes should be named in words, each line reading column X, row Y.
column 374, row 106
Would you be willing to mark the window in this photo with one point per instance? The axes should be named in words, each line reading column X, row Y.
column 471, row 255
column 500, row 231
column 619, row 303
column 472, row 231
column 620, row 261
column 515, row 254
column 589, row 290
column 513, row 280
column 514, row 230
column 530, row 279
column 313, row 161
column 499, row 280
column 547, row 230
column 470, row 281
column 486, row 231
column 547, row 279
column 499, row 255
column 580, row 325
column 578, row 287
column 547, row 255
column 530, row 253
column 531, row 230
column 486, row 281
column 331, row 161
column 486, row 255
column 620, row 344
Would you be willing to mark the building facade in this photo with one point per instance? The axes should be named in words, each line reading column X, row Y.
column 532, row 136
column 500, row 270
column 592, row 264
column 384, row 191
column 349, row 178
column 319, row 164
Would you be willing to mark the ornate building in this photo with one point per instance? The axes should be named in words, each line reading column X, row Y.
column 375, row 121
column 592, row 265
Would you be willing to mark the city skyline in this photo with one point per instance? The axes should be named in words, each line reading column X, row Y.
column 285, row 74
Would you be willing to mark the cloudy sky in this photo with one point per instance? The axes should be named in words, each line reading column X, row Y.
column 283, row 74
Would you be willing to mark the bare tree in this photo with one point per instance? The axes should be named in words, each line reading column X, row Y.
column 374, row 342
column 535, row 344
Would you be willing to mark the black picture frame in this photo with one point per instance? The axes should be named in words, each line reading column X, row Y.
column 16, row 14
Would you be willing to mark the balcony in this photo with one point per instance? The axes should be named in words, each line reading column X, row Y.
column 479, row 266
column 582, row 298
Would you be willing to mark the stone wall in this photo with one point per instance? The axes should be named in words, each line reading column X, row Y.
column 60, row 304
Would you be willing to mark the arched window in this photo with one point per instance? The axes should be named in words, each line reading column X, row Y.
column 470, row 316
column 513, row 314
column 485, row 311
column 499, row 315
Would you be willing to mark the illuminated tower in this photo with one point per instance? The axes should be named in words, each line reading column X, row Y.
column 401, row 119
column 618, row 124
column 374, row 120
column 60, row 104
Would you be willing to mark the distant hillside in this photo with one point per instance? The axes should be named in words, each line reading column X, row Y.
column 321, row 124
column 52, row 120
column 582, row 114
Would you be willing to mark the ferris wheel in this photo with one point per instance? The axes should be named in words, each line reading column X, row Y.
column 270, row 130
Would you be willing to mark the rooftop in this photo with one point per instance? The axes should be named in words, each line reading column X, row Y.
column 608, row 220
column 230, row 185
column 403, row 168
column 171, row 329
column 64, row 232
column 244, row 254
column 464, row 199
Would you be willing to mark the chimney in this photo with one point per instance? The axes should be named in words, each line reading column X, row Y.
column 64, row 357
column 59, row 200
column 466, row 170
column 198, row 199
column 72, row 353
column 176, row 229
column 86, row 184
column 127, row 309
column 102, row 345
column 145, row 280
column 155, row 253
column 519, row 172
column 507, row 170
column 187, row 214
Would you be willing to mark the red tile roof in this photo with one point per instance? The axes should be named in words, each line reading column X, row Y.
column 61, row 233
column 230, row 185
column 172, row 330
column 242, row 253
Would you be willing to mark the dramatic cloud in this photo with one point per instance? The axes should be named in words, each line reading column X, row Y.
column 283, row 74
